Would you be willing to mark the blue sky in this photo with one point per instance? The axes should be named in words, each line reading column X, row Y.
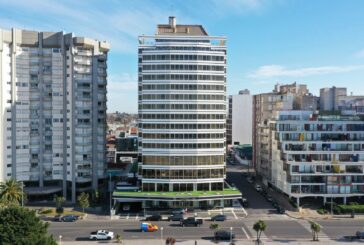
column 320, row 43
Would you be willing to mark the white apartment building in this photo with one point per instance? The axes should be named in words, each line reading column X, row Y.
column 182, row 115
column 316, row 155
column 52, row 111
column 240, row 119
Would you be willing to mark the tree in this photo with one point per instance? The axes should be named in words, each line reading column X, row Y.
column 83, row 201
column 213, row 227
column 170, row 241
column 119, row 239
column 22, row 227
column 315, row 228
column 10, row 192
column 259, row 227
column 59, row 201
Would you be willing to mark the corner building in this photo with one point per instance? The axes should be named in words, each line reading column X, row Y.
column 182, row 115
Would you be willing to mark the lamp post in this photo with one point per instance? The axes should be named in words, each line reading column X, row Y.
column 231, row 234
column 161, row 233
column 110, row 192
column 60, row 239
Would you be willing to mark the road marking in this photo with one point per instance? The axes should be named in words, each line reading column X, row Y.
column 236, row 217
column 243, row 209
column 246, row 233
column 127, row 217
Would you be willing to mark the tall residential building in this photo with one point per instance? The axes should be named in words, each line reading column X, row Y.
column 182, row 115
column 53, row 111
column 329, row 98
column 284, row 97
column 240, row 118
column 316, row 155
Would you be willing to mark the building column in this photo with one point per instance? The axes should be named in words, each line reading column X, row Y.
column 345, row 200
column 298, row 201
column 325, row 200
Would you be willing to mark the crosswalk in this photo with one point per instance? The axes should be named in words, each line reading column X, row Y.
column 306, row 224
column 248, row 226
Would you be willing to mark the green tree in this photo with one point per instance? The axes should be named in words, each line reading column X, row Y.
column 10, row 192
column 83, row 201
column 119, row 239
column 22, row 227
column 315, row 228
column 59, row 202
column 259, row 227
column 213, row 227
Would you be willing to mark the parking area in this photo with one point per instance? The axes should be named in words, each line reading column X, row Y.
column 230, row 213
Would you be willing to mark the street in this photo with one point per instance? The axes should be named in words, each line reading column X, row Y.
column 279, row 227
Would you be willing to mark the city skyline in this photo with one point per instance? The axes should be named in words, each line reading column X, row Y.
column 318, row 44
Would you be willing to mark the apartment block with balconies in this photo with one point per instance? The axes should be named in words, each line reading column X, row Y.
column 53, row 109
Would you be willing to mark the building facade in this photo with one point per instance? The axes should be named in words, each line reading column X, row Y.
column 182, row 115
column 53, row 111
column 240, row 118
column 316, row 155
column 329, row 98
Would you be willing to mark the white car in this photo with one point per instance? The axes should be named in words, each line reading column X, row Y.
column 102, row 235
column 258, row 188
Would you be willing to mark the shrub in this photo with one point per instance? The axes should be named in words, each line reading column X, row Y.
column 353, row 203
column 46, row 211
column 347, row 209
column 322, row 211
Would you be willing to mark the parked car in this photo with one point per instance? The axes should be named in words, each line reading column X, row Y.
column 69, row 218
column 176, row 217
column 57, row 218
column 148, row 227
column 244, row 202
column 258, row 188
column 102, row 235
column 223, row 235
column 155, row 217
column 219, row 217
column 359, row 234
column 191, row 221
column 250, row 180
column 178, row 211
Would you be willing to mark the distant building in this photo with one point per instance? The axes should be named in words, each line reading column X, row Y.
column 52, row 112
column 240, row 118
column 329, row 98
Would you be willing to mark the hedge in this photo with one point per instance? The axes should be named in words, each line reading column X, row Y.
column 358, row 209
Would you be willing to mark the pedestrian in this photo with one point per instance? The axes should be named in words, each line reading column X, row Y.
column 195, row 242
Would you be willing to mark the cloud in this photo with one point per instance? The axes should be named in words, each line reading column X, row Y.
column 268, row 71
column 360, row 54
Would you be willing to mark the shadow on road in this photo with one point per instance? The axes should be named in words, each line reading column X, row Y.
column 132, row 230
column 82, row 239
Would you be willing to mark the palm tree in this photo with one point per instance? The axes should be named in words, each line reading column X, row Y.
column 315, row 228
column 119, row 239
column 59, row 201
column 11, row 192
column 83, row 201
column 213, row 227
column 259, row 227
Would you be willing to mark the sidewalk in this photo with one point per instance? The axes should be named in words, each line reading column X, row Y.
column 205, row 242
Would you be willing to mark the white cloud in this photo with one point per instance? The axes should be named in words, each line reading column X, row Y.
column 268, row 71
column 360, row 53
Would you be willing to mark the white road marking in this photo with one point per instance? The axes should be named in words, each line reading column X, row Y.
column 243, row 209
column 246, row 233
column 236, row 217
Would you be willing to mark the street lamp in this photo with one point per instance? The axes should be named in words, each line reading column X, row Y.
column 161, row 233
column 231, row 234
column 60, row 239
column 110, row 192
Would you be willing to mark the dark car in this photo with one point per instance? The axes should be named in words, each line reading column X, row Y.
column 280, row 210
column 176, row 217
column 223, row 235
column 155, row 217
column 57, row 218
column 360, row 234
column 191, row 221
column 178, row 211
column 244, row 202
column 69, row 218
column 219, row 217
